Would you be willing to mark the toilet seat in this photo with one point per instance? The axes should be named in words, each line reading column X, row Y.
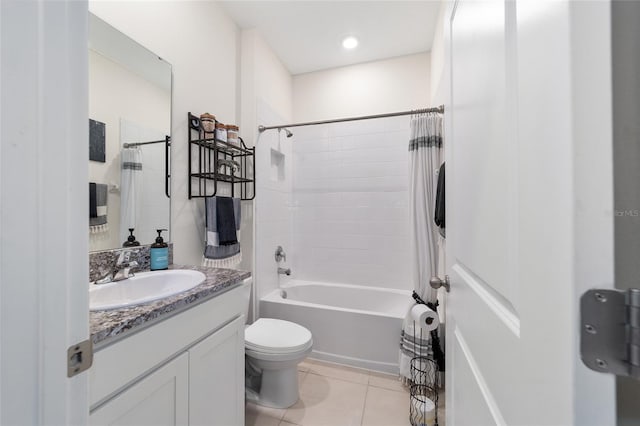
column 272, row 337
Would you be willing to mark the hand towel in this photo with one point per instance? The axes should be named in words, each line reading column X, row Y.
column 218, row 255
column 439, row 213
column 226, row 222
column 93, row 209
column 98, row 223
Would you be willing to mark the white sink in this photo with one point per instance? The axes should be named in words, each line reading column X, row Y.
column 143, row 287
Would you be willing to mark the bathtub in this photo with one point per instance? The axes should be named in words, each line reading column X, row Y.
column 353, row 325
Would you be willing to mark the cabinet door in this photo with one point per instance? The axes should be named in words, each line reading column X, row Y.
column 216, row 377
column 159, row 399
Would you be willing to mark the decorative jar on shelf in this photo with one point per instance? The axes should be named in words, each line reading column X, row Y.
column 221, row 132
column 208, row 122
column 232, row 134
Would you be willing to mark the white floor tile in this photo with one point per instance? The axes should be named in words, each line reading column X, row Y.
column 327, row 401
column 337, row 371
column 386, row 381
column 257, row 415
column 384, row 407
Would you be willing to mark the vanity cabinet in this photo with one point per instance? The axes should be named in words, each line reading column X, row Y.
column 161, row 398
column 216, row 378
column 185, row 370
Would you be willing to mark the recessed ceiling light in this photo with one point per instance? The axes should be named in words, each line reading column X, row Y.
column 350, row 43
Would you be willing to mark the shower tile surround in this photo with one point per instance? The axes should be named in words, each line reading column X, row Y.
column 336, row 198
column 349, row 203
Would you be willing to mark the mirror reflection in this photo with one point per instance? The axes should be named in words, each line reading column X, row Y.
column 129, row 142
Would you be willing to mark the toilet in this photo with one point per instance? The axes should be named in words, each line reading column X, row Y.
column 273, row 350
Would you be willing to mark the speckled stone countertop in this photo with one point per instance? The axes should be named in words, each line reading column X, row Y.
column 108, row 326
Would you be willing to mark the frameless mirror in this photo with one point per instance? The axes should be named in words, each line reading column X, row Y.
column 129, row 141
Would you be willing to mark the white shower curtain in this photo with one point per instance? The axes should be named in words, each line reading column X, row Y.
column 130, row 189
column 425, row 158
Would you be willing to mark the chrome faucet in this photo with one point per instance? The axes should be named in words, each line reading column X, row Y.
column 121, row 270
column 283, row 271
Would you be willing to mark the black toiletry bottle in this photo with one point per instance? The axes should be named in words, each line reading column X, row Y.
column 131, row 240
column 159, row 253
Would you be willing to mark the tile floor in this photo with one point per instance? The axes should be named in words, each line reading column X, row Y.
column 335, row 395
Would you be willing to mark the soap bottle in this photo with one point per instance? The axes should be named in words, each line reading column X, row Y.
column 131, row 240
column 159, row 253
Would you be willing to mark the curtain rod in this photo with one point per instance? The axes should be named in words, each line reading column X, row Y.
column 439, row 109
column 130, row 145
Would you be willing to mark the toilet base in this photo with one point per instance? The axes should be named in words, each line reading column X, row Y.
column 279, row 388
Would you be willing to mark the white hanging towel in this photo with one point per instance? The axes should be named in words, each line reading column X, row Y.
column 130, row 189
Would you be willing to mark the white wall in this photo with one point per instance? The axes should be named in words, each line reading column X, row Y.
column 274, row 165
column 378, row 87
column 116, row 93
column 182, row 33
column 438, row 60
column 266, row 96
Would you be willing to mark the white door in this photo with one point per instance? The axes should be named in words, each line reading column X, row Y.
column 44, row 301
column 529, row 204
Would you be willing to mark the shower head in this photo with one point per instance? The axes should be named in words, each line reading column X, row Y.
column 287, row 131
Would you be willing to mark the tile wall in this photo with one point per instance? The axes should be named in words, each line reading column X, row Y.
column 273, row 220
column 349, row 203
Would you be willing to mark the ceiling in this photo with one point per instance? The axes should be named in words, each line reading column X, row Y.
column 307, row 35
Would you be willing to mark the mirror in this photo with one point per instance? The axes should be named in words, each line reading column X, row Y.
column 129, row 143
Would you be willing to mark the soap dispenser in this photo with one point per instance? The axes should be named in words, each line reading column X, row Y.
column 131, row 240
column 159, row 253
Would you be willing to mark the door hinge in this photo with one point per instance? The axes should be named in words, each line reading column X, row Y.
column 79, row 357
column 610, row 331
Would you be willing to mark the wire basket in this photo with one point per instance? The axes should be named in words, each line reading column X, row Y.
column 423, row 404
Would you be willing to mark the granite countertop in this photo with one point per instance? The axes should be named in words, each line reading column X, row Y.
column 109, row 325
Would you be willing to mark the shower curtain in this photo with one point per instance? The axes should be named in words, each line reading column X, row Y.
column 425, row 158
column 130, row 189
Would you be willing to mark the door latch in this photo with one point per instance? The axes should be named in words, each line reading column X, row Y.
column 79, row 357
column 610, row 331
column 436, row 283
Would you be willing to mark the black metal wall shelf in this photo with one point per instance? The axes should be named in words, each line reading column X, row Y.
column 212, row 161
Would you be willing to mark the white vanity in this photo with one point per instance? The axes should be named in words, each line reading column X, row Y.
column 173, row 362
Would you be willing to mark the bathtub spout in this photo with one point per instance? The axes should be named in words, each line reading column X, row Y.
column 284, row 271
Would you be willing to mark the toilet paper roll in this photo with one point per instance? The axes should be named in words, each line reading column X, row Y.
column 424, row 411
column 425, row 318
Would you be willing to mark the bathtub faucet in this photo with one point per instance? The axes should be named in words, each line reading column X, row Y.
column 284, row 271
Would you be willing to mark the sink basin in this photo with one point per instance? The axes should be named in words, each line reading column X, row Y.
column 142, row 288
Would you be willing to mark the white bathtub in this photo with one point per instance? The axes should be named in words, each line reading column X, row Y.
column 353, row 325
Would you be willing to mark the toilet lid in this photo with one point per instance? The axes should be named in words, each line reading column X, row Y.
column 276, row 336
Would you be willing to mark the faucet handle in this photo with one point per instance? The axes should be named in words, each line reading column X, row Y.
column 124, row 257
column 280, row 255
